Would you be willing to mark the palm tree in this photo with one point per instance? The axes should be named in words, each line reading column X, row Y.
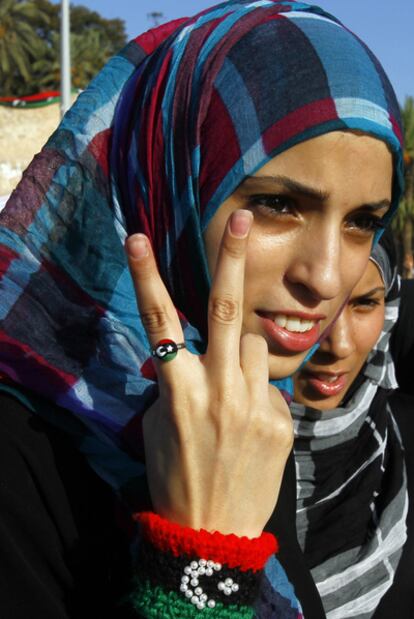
column 19, row 42
column 405, row 218
column 89, row 52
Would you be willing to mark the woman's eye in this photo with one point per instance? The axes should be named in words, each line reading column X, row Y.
column 271, row 204
column 366, row 222
column 366, row 303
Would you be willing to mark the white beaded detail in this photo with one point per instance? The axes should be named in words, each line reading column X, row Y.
column 228, row 586
column 196, row 595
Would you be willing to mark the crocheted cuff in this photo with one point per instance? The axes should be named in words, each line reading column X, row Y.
column 182, row 572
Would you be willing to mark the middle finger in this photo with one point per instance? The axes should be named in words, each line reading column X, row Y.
column 225, row 312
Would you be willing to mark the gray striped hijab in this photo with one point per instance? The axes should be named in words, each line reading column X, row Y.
column 351, row 492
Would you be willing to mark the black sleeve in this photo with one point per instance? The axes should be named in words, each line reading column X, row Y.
column 61, row 554
column 402, row 339
column 399, row 599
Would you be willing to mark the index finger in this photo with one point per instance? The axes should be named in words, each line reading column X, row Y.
column 225, row 313
column 156, row 309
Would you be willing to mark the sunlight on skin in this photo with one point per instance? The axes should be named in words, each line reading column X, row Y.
column 327, row 377
column 316, row 207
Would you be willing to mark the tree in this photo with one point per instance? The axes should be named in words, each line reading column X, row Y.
column 404, row 220
column 89, row 52
column 112, row 31
column 20, row 43
column 94, row 39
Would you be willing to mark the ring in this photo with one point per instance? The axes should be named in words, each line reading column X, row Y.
column 166, row 350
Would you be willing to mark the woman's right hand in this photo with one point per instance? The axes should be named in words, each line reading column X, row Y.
column 218, row 437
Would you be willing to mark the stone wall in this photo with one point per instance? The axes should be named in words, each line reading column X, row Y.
column 22, row 135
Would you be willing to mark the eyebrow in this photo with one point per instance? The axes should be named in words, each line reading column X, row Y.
column 370, row 292
column 307, row 191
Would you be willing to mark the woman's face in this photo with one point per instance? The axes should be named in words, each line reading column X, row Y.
column 327, row 377
column 316, row 207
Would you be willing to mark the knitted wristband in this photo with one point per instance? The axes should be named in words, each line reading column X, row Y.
column 182, row 571
column 236, row 552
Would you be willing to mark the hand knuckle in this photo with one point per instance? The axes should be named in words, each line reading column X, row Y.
column 224, row 309
column 284, row 433
column 234, row 248
column 144, row 271
column 155, row 320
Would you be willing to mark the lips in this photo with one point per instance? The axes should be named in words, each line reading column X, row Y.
column 325, row 384
column 291, row 332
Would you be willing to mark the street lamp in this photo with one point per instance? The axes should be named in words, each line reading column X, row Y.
column 65, row 85
column 156, row 17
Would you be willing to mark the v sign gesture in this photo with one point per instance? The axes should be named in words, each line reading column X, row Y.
column 218, row 437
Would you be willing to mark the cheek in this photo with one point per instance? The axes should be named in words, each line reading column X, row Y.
column 266, row 264
column 353, row 264
column 368, row 331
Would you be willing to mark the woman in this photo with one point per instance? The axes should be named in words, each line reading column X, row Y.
column 204, row 138
column 352, row 486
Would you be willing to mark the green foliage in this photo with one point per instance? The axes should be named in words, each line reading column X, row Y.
column 19, row 42
column 30, row 45
column 403, row 215
column 407, row 113
column 403, row 223
column 406, row 210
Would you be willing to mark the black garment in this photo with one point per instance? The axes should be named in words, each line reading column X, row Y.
column 399, row 599
column 283, row 525
column 61, row 554
column 402, row 339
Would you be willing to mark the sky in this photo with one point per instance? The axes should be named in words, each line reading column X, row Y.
column 387, row 27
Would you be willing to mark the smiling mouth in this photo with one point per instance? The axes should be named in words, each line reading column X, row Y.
column 291, row 333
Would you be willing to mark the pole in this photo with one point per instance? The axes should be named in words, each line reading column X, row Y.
column 155, row 17
column 65, row 85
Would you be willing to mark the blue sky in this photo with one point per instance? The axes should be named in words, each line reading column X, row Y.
column 386, row 26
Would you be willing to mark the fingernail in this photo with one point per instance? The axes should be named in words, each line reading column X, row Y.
column 240, row 223
column 137, row 246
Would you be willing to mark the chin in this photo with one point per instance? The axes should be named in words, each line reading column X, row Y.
column 282, row 367
column 309, row 397
column 322, row 404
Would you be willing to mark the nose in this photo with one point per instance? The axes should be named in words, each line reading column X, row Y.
column 318, row 263
column 340, row 342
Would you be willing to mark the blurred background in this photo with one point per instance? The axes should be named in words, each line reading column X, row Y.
column 30, row 70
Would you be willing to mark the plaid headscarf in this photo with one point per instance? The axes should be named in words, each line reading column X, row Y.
column 161, row 137
column 352, row 496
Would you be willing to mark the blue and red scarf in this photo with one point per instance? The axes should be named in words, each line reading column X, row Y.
column 161, row 137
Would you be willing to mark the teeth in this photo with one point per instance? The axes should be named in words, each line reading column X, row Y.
column 327, row 378
column 294, row 324
column 281, row 321
column 332, row 379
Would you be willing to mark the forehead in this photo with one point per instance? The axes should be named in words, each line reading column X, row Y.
column 360, row 163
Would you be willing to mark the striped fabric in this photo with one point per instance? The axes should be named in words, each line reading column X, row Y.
column 352, row 492
column 160, row 138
